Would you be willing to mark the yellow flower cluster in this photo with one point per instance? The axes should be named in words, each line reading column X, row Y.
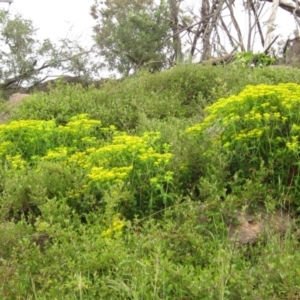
column 158, row 180
column 15, row 161
column 115, row 228
column 17, row 134
column 78, row 158
column 244, row 134
column 127, row 149
column 28, row 125
column 293, row 145
column 57, row 153
column 99, row 174
column 80, row 125
column 5, row 147
column 255, row 113
column 103, row 160
column 115, row 161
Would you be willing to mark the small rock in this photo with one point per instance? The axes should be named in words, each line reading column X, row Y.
column 16, row 99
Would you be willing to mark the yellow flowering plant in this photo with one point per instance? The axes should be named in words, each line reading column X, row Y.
column 258, row 127
column 26, row 137
column 115, row 228
column 91, row 160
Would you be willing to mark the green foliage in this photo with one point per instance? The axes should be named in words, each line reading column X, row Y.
column 25, row 60
column 85, row 163
column 259, row 128
column 17, row 36
column 181, row 92
column 133, row 207
column 256, row 59
column 152, row 259
column 132, row 34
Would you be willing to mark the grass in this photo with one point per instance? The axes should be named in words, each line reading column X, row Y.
column 158, row 230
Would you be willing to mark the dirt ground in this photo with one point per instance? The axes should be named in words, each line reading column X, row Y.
column 11, row 104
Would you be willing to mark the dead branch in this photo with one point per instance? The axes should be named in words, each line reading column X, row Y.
column 232, row 40
column 288, row 7
column 269, row 47
column 28, row 73
column 236, row 25
column 257, row 22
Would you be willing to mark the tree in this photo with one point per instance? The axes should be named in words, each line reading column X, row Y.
column 24, row 60
column 132, row 34
column 218, row 27
column 136, row 33
column 174, row 19
column 141, row 33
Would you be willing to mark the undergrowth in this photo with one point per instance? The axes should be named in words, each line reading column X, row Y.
column 131, row 191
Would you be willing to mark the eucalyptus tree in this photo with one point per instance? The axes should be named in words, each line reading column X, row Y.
column 159, row 33
column 25, row 60
column 132, row 34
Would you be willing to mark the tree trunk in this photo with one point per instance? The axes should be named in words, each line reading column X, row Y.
column 174, row 11
column 212, row 18
column 270, row 23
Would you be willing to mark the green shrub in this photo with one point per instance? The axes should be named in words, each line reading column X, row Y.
column 175, row 257
column 85, row 162
column 259, row 128
column 257, row 59
column 104, row 214
column 181, row 92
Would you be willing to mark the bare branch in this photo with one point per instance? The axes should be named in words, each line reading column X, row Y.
column 258, row 23
column 28, row 73
column 236, row 25
column 232, row 40
column 288, row 7
column 266, row 51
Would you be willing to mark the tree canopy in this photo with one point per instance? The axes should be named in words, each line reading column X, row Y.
column 27, row 60
column 132, row 34
column 140, row 33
